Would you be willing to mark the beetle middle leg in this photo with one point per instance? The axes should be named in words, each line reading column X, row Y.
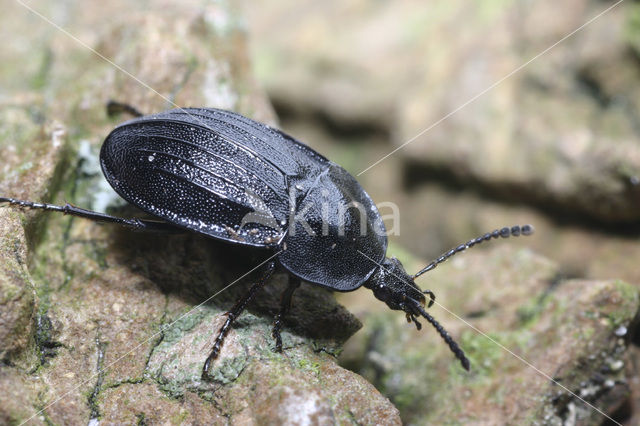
column 234, row 313
column 285, row 306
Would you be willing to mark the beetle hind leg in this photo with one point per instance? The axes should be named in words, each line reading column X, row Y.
column 285, row 306
column 116, row 108
column 233, row 314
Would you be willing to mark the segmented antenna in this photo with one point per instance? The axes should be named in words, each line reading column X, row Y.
column 504, row 233
column 459, row 353
column 134, row 223
column 32, row 205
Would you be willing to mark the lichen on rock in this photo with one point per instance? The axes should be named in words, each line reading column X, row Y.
column 101, row 324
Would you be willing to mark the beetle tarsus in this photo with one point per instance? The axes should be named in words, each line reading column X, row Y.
column 234, row 313
column 285, row 306
column 416, row 322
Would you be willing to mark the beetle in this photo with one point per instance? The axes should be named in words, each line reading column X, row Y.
column 231, row 178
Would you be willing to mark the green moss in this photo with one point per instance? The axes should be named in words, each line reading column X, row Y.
column 327, row 346
column 629, row 306
column 141, row 420
column 483, row 353
column 184, row 323
column 585, row 333
column 529, row 313
column 42, row 267
column 179, row 418
column 171, row 389
column 8, row 292
column 560, row 308
column 627, row 291
column 307, row 365
column 229, row 369
column 41, row 408
column 413, row 391
column 277, row 373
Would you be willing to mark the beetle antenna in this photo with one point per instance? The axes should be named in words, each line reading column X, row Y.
column 504, row 233
column 459, row 353
column 133, row 223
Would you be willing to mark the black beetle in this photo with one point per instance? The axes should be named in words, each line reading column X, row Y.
column 229, row 177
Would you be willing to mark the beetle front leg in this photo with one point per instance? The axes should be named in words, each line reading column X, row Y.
column 412, row 318
column 234, row 313
column 285, row 306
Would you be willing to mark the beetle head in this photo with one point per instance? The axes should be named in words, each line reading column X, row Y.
column 391, row 284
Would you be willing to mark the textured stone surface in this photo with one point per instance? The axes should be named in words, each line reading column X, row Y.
column 566, row 330
column 101, row 324
column 555, row 145
column 100, row 311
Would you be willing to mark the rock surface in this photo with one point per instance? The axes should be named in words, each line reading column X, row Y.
column 556, row 144
column 99, row 324
column 520, row 327
column 102, row 325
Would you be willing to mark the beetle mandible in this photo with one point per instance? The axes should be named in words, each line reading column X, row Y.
column 231, row 178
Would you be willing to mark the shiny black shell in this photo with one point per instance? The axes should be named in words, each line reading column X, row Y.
column 218, row 173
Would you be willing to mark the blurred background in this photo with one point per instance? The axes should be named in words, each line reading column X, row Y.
column 500, row 115
column 469, row 116
column 498, row 131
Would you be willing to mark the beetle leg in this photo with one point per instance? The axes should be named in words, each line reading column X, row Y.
column 432, row 297
column 234, row 313
column 285, row 305
column 114, row 108
column 135, row 224
column 411, row 317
